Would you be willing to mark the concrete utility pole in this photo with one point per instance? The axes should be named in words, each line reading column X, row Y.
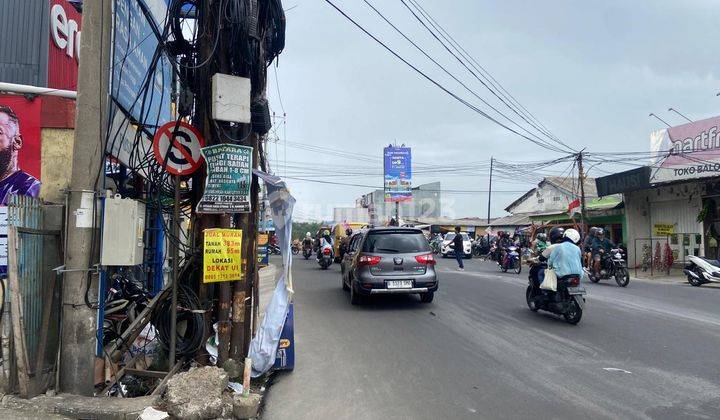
column 581, row 178
column 83, row 243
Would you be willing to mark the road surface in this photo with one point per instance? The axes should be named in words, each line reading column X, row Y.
column 651, row 350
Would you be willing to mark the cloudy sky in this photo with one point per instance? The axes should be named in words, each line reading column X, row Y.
column 589, row 71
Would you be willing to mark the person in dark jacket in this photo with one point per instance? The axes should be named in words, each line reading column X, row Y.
column 457, row 246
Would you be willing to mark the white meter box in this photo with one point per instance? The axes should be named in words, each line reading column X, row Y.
column 230, row 98
column 123, row 232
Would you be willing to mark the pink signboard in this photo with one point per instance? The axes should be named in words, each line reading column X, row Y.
column 691, row 150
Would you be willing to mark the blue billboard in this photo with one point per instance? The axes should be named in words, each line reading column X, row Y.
column 134, row 47
column 398, row 174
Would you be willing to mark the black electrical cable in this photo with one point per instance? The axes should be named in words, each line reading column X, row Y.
column 189, row 311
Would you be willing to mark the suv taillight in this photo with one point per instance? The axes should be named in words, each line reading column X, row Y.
column 368, row 260
column 427, row 259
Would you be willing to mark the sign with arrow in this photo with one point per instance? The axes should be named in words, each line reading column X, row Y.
column 177, row 147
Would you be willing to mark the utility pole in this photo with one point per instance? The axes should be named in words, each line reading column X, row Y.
column 83, row 239
column 397, row 212
column 581, row 178
column 490, row 191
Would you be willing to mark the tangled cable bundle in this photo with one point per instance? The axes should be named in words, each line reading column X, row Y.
column 191, row 327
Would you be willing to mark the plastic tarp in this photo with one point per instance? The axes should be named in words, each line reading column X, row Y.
column 263, row 346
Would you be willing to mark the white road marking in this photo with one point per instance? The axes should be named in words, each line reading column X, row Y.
column 612, row 369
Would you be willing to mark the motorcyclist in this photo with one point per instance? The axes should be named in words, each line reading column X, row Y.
column 587, row 246
column 307, row 241
column 555, row 237
column 600, row 245
column 325, row 238
column 566, row 257
column 540, row 243
column 501, row 247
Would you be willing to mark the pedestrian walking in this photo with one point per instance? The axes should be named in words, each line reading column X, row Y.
column 457, row 246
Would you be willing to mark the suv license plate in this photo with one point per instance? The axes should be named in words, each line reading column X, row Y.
column 576, row 291
column 399, row 284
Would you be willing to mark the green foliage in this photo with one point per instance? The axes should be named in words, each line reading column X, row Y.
column 300, row 228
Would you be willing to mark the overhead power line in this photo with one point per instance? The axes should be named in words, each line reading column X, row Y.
column 442, row 87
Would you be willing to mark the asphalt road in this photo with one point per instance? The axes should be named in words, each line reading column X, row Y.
column 651, row 350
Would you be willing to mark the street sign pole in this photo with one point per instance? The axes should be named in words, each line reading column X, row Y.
column 175, row 271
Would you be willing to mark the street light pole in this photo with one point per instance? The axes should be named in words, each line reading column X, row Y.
column 490, row 191
column 661, row 120
column 678, row 112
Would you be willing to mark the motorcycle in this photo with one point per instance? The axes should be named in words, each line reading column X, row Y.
column 568, row 300
column 295, row 249
column 274, row 249
column 326, row 256
column 511, row 261
column 702, row 270
column 307, row 250
column 612, row 264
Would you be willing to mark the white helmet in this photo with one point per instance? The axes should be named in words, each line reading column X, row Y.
column 573, row 235
column 307, row 234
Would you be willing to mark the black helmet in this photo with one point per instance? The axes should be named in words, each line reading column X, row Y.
column 541, row 237
column 556, row 235
column 348, row 231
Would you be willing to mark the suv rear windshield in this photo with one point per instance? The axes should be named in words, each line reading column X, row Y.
column 396, row 242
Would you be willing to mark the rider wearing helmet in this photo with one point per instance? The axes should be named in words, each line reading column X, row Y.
column 587, row 246
column 600, row 245
column 540, row 243
column 566, row 257
column 345, row 242
column 324, row 238
column 307, row 241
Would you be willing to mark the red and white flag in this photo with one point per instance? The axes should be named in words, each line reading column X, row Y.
column 574, row 207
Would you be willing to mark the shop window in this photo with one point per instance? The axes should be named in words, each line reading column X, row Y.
column 556, row 198
column 541, row 200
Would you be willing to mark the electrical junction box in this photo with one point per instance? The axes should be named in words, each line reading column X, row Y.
column 123, row 232
column 231, row 98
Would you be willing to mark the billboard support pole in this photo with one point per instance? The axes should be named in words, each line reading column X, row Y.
column 78, row 337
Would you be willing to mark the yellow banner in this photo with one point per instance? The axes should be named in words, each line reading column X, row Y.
column 222, row 257
column 663, row 229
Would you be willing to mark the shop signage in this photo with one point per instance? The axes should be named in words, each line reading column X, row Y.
column 222, row 255
column 632, row 180
column 397, row 164
column 64, row 49
column 184, row 156
column 687, row 151
column 227, row 187
column 663, row 229
column 135, row 45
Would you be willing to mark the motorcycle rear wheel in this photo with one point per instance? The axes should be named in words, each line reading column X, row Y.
column 574, row 314
column 622, row 277
column 518, row 267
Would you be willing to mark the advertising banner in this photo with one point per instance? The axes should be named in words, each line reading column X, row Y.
column 134, row 49
column 398, row 174
column 222, row 255
column 693, row 151
column 19, row 157
column 227, row 187
column 263, row 257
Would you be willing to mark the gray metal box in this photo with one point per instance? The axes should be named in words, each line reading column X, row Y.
column 123, row 232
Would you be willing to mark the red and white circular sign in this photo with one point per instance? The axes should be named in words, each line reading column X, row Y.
column 183, row 156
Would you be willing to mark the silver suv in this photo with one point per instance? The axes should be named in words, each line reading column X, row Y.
column 389, row 260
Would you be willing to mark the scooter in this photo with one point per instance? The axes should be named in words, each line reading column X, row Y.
column 307, row 251
column 568, row 300
column 326, row 256
column 511, row 261
column 611, row 265
column 702, row 270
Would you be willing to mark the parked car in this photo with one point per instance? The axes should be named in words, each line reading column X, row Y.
column 449, row 252
column 389, row 260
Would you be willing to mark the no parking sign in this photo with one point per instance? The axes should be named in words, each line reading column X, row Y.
column 177, row 147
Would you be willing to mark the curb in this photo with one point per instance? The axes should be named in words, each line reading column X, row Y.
column 80, row 407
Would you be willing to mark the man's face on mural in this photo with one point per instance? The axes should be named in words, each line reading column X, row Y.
column 10, row 140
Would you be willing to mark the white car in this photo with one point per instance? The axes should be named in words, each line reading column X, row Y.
column 446, row 251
